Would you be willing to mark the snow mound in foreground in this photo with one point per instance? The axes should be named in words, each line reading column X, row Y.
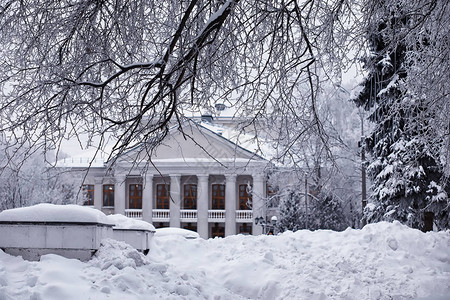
column 117, row 254
column 381, row 261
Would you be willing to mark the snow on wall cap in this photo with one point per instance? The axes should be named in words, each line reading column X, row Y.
column 123, row 222
column 172, row 231
column 46, row 212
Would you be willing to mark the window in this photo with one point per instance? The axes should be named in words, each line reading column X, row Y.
column 272, row 196
column 190, row 226
column 108, row 195
column 217, row 230
column 218, row 196
column 135, row 196
column 162, row 196
column 190, row 196
column 245, row 198
column 88, row 194
column 245, row 228
column 163, row 225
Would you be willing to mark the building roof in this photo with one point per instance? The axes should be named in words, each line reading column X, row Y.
column 198, row 142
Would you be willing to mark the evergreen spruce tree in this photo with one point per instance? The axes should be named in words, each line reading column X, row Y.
column 327, row 213
column 405, row 176
column 324, row 212
column 292, row 214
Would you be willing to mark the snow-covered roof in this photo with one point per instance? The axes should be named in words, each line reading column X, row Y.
column 46, row 212
column 81, row 161
column 245, row 142
column 123, row 222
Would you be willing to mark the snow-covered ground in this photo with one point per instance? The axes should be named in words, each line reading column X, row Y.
column 381, row 261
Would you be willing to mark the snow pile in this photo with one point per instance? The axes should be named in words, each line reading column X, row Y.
column 117, row 254
column 46, row 212
column 123, row 222
column 381, row 261
column 170, row 231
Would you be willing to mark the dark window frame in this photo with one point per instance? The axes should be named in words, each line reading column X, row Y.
column 88, row 194
column 217, row 231
column 218, row 196
column 190, row 196
column 135, row 196
column 108, row 195
column 163, row 198
column 244, row 197
column 245, row 228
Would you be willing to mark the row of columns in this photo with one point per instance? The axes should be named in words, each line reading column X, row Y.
column 176, row 197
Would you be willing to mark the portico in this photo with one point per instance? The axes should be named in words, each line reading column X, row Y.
column 218, row 189
column 200, row 200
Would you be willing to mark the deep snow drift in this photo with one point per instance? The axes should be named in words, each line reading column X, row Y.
column 381, row 261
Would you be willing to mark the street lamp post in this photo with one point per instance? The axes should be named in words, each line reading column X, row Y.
column 268, row 226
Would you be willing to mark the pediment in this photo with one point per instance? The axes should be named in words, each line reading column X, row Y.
column 194, row 143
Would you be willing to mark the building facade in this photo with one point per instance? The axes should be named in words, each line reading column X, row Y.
column 197, row 179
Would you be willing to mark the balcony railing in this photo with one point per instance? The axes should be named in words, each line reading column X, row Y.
column 161, row 214
column 244, row 215
column 133, row 213
column 216, row 215
column 188, row 214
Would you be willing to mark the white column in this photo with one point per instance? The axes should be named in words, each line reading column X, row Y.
column 230, row 204
column 98, row 193
column 258, row 199
column 119, row 194
column 202, row 205
column 175, row 200
column 147, row 197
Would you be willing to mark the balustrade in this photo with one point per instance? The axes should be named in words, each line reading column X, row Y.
column 161, row 214
column 244, row 215
column 216, row 215
column 188, row 214
column 133, row 213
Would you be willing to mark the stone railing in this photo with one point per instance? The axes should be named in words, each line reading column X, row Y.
column 133, row 213
column 188, row 214
column 161, row 214
column 244, row 215
column 216, row 215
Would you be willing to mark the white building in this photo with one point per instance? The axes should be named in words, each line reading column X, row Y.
column 197, row 180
